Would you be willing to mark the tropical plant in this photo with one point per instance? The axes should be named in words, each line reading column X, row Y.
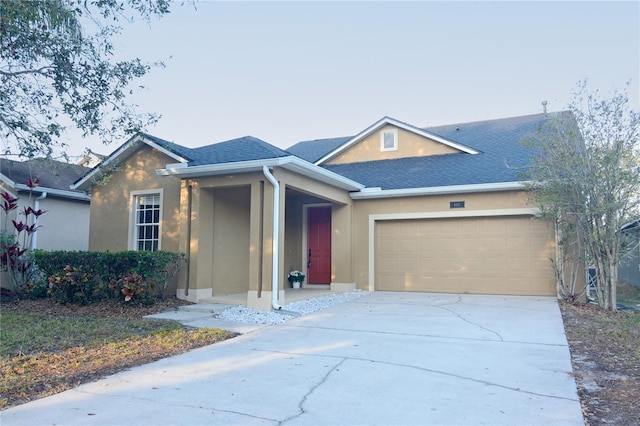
column 15, row 251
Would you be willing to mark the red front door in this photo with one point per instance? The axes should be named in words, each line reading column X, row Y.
column 319, row 245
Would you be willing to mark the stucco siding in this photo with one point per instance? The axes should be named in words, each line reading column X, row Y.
column 293, row 256
column 111, row 203
column 231, row 216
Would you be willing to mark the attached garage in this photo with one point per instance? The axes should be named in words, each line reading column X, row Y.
column 482, row 255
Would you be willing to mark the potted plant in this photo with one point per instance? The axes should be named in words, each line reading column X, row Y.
column 295, row 278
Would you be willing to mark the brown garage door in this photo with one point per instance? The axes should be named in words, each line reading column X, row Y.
column 491, row 255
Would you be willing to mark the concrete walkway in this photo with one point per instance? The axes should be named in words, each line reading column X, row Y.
column 382, row 359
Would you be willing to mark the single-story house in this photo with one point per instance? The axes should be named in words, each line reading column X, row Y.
column 629, row 267
column 65, row 225
column 394, row 207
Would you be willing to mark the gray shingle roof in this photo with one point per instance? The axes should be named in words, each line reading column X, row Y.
column 51, row 173
column 246, row 148
column 180, row 150
column 503, row 158
column 314, row 150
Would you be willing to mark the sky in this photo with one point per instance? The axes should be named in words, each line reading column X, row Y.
column 286, row 72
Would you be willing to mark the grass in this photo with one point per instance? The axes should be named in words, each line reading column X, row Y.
column 47, row 334
column 628, row 295
column 41, row 355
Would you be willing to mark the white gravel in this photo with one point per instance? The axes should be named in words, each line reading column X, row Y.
column 303, row 307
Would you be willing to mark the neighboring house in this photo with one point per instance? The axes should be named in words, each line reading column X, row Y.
column 90, row 159
column 65, row 225
column 395, row 207
column 629, row 268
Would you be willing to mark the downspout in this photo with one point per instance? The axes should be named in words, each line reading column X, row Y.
column 276, row 230
column 36, row 207
column 189, row 201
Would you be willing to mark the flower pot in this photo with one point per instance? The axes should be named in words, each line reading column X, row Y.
column 296, row 284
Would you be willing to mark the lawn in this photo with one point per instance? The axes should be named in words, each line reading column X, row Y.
column 43, row 353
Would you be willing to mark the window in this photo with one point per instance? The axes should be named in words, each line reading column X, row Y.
column 146, row 221
column 389, row 140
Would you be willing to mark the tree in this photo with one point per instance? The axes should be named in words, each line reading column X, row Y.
column 587, row 179
column 53, row 72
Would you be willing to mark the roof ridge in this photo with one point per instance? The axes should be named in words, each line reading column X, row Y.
column 497, row 119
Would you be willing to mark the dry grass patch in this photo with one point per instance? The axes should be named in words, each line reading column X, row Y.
column 605, row 353
column 44, row 353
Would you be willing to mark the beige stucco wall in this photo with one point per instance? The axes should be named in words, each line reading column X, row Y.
column 111, row 203
column 293, row 259
column 231, row 236
column 409, row 145
column 362, row 209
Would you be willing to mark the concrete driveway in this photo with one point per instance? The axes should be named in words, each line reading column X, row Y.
column 385, row 358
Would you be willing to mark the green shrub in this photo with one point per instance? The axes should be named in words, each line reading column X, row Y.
column 135, row 288
column 73, row 285
column 38, row 289
column 111, row 273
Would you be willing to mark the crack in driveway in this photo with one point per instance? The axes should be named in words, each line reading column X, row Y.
column 312, row 390
column 414, row 367
column 458, row 301
column 170, row 404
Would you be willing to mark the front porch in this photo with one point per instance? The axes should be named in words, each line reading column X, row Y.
column 244, row 234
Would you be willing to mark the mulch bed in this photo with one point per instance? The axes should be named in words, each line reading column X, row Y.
column 104, row 309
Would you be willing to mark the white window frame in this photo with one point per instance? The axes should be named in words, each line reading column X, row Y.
column 394, row 133
column 133, row 229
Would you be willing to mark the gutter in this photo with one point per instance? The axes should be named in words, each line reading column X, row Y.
column 292, row 163
column 56, row 192
column 189, row 213
column 274, row 239
column 36, row 207
column 373, row 193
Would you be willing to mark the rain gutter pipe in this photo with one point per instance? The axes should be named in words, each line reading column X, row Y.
column 189, row 213
column 36, row 207
column 276, row 231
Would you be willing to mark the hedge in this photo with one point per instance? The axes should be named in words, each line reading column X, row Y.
column 83, row 277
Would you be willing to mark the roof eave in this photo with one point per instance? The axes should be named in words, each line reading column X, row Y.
column 292, row 163
column 7, row 180
column 54, row 191
column 122, row 153
column 373, row 193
